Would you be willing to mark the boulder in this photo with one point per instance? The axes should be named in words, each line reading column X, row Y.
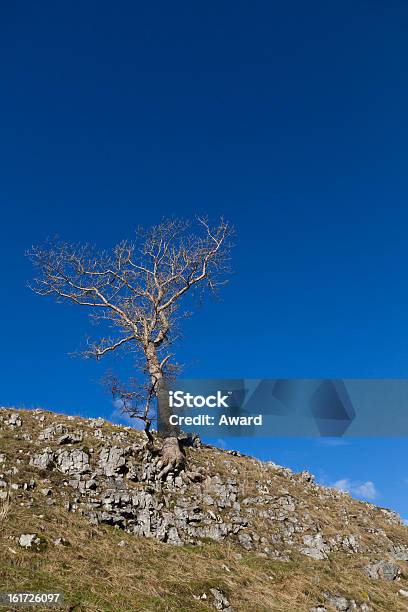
column 383, row 569
column 112, row 460
column 49, row 432
column 340, row 603
column 29, row 540
column 43, row 460
column 73, row 462
column 14, row 420
column 315, row 547
column 220, row 601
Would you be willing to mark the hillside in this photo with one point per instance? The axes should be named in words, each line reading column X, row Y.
column 82, row 512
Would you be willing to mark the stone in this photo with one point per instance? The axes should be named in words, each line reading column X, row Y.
column 339, row 603
column 306, row 476
column 49, row 432
column 351, row 543
column 61, row 542
column 112, row 460
column 14, row 420
column 403, row 593
column 73, row 462
column 400, row 553
column 43, row 460
column 96, row 422
column 245, row 540
column 220, row 601
column 28, row 540
column 383, row 569
column 173, row 537
column 29, row 485
column 315, row 547
column 70, row 438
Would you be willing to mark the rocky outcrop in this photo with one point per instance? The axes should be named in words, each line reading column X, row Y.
column 383, row 569
column 109, row 476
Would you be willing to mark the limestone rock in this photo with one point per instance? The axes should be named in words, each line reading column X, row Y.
column 29, row 540
column 14, row 420
column 43, row 460
column 56, row 429
column 315, row 547
column 220, row 601
column 73, row 462
column 383, row 569
column 112, row 460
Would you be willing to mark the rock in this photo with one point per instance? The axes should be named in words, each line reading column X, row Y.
column 14, row 420
column 202, row 597
column 29, row 540
column 318, row 609
column 393, row 518
column 351, row 543
column 112, row 460
column 43, row 460
column 49, row 432
column 306, row 476
column 61, row 542
column 339, row 603
column 173, row 537
column 315, row 547
column 91, row 485
column 73, row 462
column 403, row 593
column 245, row 540
column 224, row 493
column 96, row 422
column 383, row 569
column 27, row 486
column 400, row 553
column 220, row 601
column 70, row 438
column 46, row 491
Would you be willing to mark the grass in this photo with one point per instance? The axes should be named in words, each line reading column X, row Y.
column 97, row 575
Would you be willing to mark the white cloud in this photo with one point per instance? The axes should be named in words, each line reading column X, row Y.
column 367, row 489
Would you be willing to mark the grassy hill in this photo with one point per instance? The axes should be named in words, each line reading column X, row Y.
column 234, row 533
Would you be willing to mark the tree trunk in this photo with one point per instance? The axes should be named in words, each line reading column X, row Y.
column 172, row 455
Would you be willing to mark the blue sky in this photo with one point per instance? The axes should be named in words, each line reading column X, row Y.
column 290, row 120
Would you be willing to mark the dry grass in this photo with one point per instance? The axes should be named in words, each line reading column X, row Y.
column 97, row 575
column 5, row 506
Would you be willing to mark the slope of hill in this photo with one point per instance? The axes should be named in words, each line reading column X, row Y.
column 82, row 512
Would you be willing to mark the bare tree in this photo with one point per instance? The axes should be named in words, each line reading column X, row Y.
column 138, row 289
